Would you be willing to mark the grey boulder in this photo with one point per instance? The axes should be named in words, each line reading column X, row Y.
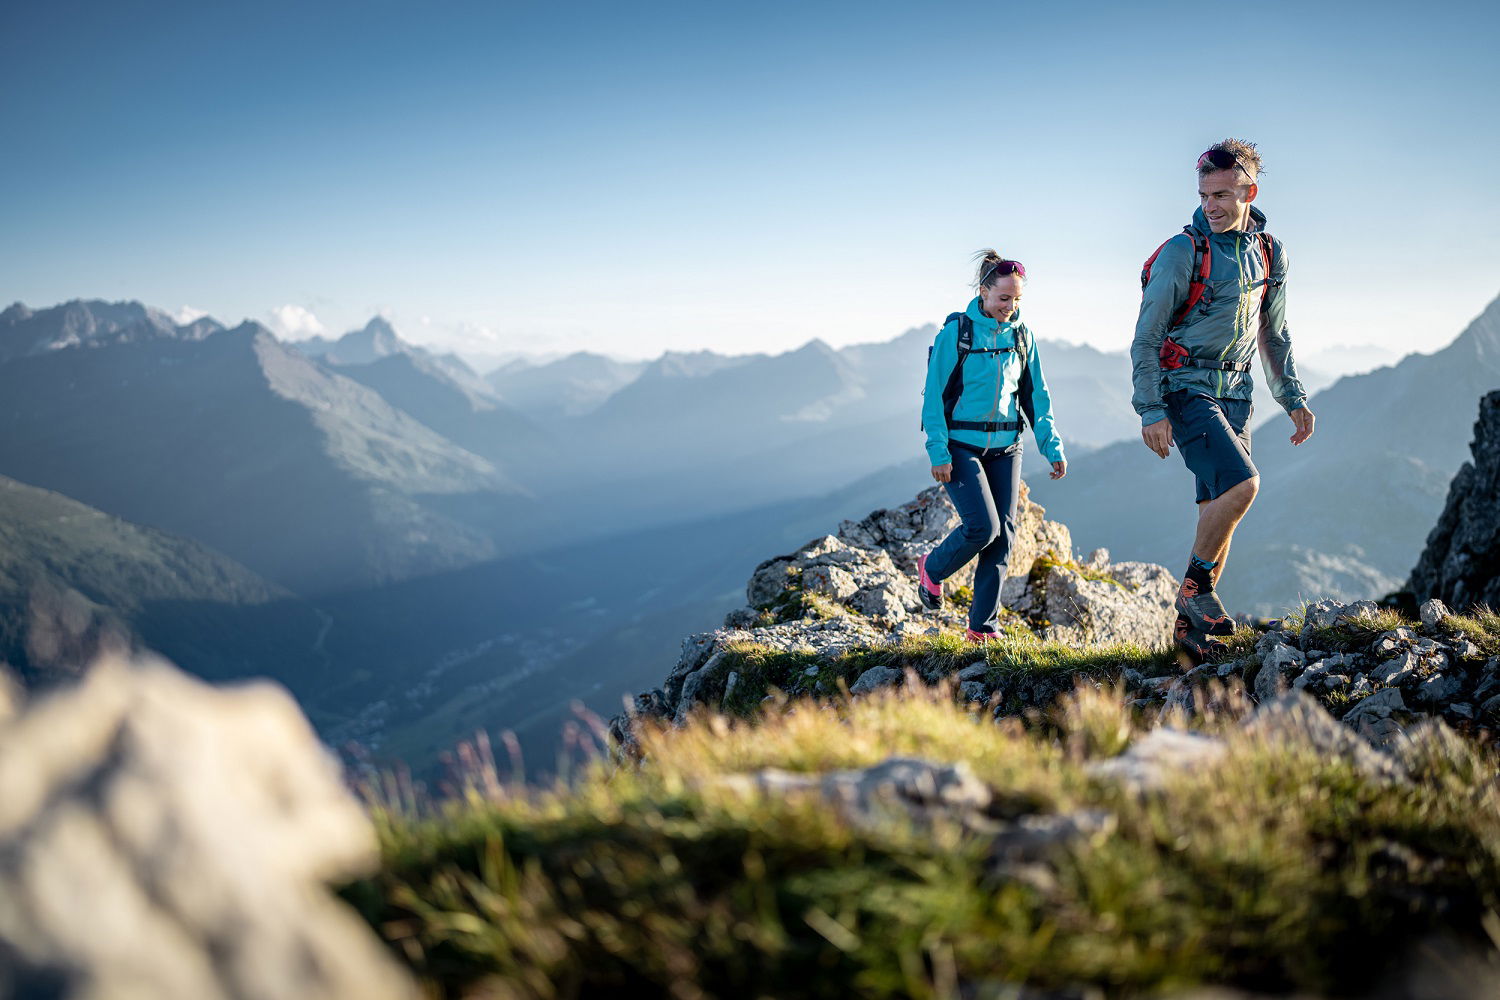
column 161, row 838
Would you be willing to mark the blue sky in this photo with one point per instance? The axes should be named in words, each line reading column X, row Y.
column 632, row 178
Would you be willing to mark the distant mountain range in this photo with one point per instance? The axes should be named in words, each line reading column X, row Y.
column 440, row 391
column 573, row 386
column 378, row 340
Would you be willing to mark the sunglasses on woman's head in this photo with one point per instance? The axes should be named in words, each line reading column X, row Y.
column 1223, row 159
column 1002, row 268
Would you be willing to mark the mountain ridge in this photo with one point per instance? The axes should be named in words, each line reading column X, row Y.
column 238, row 441
column 75, row 580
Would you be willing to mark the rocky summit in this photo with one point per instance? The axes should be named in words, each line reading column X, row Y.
column 1461, row 563
column 843, row 611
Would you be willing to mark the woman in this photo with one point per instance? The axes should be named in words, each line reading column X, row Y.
column 983, row 380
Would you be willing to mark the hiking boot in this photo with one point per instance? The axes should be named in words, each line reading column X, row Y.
column 980, row 638
column 1200, row 648
column 928, row 590
column 1205, row 612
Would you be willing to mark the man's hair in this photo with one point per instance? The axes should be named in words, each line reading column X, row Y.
column 1241, row 150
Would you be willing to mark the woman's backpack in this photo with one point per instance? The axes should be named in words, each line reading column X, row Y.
column 955, row 384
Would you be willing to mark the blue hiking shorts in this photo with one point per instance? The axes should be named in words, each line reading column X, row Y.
column 1213, row 437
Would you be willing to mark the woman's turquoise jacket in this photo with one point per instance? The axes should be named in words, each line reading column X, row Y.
column 991, row 382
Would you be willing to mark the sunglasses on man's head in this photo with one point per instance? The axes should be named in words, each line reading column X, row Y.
column 1223, row 159
column 1002, row 268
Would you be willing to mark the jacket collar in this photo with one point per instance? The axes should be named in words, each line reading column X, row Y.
column 986, row 323
column 1257, row 223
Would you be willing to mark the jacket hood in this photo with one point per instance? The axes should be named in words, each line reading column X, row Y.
column 1200, row 222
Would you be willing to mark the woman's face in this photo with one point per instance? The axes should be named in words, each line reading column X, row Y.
column 1000, row 298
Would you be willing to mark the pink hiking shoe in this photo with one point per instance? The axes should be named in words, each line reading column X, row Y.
column 930, row 591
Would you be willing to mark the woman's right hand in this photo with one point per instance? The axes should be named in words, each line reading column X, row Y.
column 943, row 473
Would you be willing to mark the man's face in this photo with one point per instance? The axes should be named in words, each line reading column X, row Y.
column 1225, row 196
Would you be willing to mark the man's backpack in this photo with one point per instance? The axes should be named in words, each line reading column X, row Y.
column 955, row 385
column 1203, row 262
column 1173, row 355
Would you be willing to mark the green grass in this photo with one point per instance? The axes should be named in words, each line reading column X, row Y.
column 1349, row 634
column 1481, row 626
column 666, row 880
column 1017, row 654
column 1047, row 563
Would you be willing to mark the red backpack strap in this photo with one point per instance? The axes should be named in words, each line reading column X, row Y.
column 1267, row 254
column 1203, row 262
column 1146, row 267
column 1197, row 279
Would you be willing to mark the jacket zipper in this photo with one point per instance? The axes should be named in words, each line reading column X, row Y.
column 1239, row 307
column 999, row 377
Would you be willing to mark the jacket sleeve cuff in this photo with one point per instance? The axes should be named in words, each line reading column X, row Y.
column 1152, row 414
column 937, row 457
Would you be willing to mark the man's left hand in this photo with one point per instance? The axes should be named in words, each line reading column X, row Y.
column 1059, row 469
column 1303, row 418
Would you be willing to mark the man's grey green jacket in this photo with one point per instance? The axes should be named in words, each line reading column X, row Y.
column 1237, row 317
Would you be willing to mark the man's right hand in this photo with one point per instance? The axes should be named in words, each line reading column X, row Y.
column 943, row 473
column 1302, row 418
column 1158, row 436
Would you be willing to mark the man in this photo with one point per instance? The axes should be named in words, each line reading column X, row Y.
column 1213, row 296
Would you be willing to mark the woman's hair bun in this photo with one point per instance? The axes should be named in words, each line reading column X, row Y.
column 985, row 260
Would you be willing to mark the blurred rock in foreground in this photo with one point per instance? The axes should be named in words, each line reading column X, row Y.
column 163, row 839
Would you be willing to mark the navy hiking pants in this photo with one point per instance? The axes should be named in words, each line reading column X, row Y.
column 1213, row 438
column 985, row 490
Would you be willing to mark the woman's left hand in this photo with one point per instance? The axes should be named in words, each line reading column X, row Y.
column 1059, row 469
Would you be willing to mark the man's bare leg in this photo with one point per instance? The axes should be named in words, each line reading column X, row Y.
column 1219, row 563
column 1200, row 614
column 1217, row 519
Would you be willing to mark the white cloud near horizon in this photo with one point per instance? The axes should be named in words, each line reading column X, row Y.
column 187, row 314
column 294, row 322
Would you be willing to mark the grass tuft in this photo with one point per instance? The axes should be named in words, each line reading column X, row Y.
column 795, row 603
column 1481, row 626
column 1348, row 634
column 1045, row 564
